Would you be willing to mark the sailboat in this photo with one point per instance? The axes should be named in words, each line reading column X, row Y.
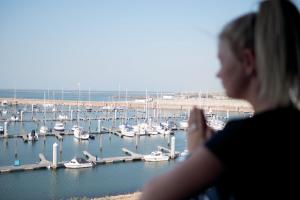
column 59, row 126
column 44, row 128
column 79, row 133
column 32, row 136
column 89, row 108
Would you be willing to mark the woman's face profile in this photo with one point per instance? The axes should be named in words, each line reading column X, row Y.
column 231, row 71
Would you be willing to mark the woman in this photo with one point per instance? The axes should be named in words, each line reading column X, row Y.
column 251, row 158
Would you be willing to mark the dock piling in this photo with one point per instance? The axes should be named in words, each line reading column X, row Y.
column 169, row 139
column 5, row 129
column 136, row 141
column 60, row 146
column 54, row 161
column 173, row 147
column 16, row 148
column 99, row 125
column 21, row 115
column 100, row 141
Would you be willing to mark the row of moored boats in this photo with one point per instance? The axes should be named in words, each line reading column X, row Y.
column 155, row 156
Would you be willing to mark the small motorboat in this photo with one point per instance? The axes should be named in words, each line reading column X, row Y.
column 59, row 126
column 43, row 129
column 81, row 134
column 183, row 124
column 183, row 155
column 156, row 156
column 89, row 109
column 32, row 136
column 126, row 130
column 1, row 130
column 14, row 118
column 76, row 163
column 92, row 137
column 75, row 127
column 62, row 117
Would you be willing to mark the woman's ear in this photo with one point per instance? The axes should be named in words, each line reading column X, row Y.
column 248, row 61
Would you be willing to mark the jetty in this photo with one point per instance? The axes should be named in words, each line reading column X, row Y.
column 45, row 164
column 168, row 151
column 210, row 102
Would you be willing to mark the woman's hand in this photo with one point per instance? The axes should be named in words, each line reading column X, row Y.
column 198, row 131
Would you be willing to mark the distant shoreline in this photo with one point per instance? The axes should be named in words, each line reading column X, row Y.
column 215, row 104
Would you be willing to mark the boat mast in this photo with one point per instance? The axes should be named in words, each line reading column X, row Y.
column 78, row 104
column 44, row 108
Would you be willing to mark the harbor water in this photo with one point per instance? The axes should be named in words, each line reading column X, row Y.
column 101, row 180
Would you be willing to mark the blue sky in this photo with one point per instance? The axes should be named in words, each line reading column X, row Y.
column 161, row 45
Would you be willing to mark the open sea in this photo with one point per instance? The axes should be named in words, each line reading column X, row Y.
column 101, row 180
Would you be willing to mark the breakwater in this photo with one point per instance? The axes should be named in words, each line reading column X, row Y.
column 215, row 104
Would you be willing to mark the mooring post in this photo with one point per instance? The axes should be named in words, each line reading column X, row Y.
column 173, row 147
column 99, row 125
column 54, row 164
column 5, row 129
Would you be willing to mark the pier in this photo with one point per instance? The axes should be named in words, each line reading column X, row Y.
column 90, row 157
column 45, row 164
column 131, row 153
column 164, row 149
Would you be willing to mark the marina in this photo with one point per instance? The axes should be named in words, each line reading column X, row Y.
column 27, row 149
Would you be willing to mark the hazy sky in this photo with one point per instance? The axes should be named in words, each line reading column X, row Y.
column 110, row 44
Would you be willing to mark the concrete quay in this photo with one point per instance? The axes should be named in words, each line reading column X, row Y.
column 213, row 104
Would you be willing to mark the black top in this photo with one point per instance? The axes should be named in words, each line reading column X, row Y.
column 259, row 155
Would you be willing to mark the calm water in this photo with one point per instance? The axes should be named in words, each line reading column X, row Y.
column 99, row 181
column 83, row 95
column 93, row 182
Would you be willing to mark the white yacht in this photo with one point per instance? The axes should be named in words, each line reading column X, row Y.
column 126, row 130
column 32, row 136
column 162, row 130
column 43, row 129
column 59, row 126
column 75, row 127
column 183, row 155
column 89, row 109
column 140, row 129
column 79, row 133
column 14, row 118
column 151, row 130
column 170, row 125
column 62, row 117
column 216, row 124
column 76, row 163
column 156, row 156
column 183, row 124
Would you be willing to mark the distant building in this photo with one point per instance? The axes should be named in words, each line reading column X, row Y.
column 168, row 97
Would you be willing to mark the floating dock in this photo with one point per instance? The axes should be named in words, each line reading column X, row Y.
column 45, row 164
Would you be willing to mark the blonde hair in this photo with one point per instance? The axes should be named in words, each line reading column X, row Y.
column 239, row 34
column 277, row 47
